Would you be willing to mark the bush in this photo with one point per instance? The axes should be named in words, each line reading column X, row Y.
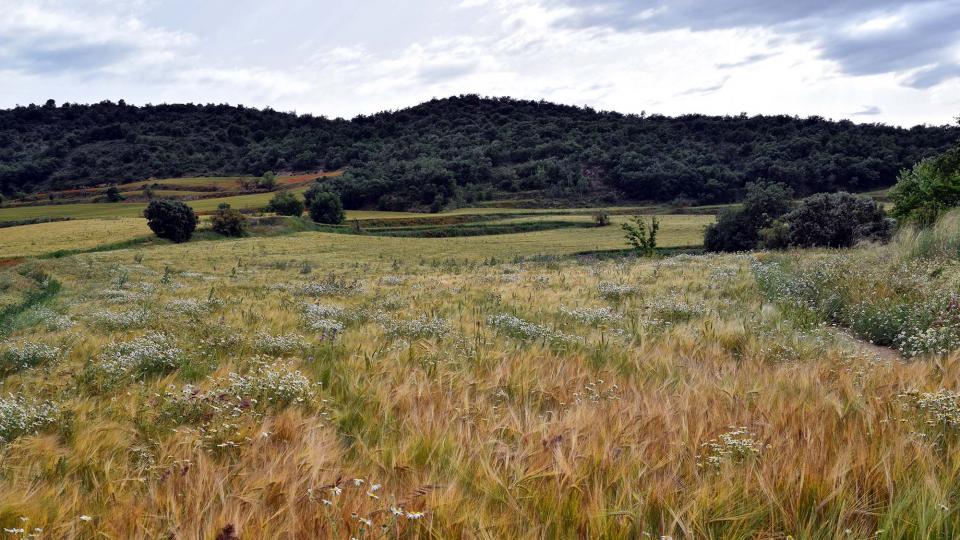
column 640, row 236
column 733, row 231
column 324, row 206
column 172, row 220
column 113, row 194
column 227, row 221
column 601, row 218
column 268, row 181
column 739, row 230
column 837, row 220
column 926, row 191
column 285, row 203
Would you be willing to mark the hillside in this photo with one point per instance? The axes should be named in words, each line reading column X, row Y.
column 460, row 149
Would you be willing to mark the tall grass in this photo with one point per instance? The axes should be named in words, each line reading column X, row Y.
column 940, row 241
column 461, row 396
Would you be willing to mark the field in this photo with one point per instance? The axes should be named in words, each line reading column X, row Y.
column 329, row 385
column 375, row 381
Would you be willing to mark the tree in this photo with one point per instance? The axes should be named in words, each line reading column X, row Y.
column 285, row 203
column 739, row 230
column 641, row 237
column 113, row 194
column 172, row 220
column 227, row 221
column 268, row 181
column 836, row 220
column 326, row 207
column 928, row 189
column 601, row 218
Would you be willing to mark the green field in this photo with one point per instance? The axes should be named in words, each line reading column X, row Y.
column 676, row 231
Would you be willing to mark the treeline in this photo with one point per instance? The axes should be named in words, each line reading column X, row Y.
column 459, row 150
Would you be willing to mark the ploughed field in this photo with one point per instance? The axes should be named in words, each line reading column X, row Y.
column 317, row 385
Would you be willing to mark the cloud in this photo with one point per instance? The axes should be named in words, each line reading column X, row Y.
column 705, row 89
column 752, row 59
column 44, row 38
column 864, row 37
column 869, row 110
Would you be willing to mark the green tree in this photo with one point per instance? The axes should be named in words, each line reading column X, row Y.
column 326, row 207
column 113, row 194
column 836, row 220
column 268, row 181
column 172, row 220
column 739, row 229
column 228, row 222
column 925, row 191
column 640, row 236
column 285, row 203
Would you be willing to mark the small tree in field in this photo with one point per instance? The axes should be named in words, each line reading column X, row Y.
column 268, row 181
column 113, row 194
column 227, row 221
column 285, row 203
column 640, row 236
column 601, row 218
column 326, row 207
column 172, row 220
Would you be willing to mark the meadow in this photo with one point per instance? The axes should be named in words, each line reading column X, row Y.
column 316, row 385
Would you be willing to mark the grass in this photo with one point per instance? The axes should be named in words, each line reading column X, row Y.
column 43, row 238
column 490, row 387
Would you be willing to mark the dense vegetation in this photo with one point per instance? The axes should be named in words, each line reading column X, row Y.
column 770, row 218
column 460, row 149
column 924, row 192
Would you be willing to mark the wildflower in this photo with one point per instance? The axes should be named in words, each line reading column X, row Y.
column 396, row 511
column 86, row 518
column 415, row 515
column 336, row 491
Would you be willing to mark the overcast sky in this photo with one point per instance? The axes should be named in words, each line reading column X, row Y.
column 888, row 61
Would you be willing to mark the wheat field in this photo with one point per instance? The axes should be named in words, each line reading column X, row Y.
column 329, row 386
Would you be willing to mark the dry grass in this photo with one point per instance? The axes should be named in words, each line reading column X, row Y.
column 32, row 240
column 590, row 424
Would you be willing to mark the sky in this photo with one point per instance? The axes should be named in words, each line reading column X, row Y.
column 895, row 62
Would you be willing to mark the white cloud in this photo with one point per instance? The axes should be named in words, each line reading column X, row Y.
column 567, row 51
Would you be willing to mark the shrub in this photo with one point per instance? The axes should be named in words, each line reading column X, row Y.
column 601, row 218
column 739, row 230
column 113, row 194
column 172, row 220
column 640, row 236
column 837, row 220
column 324, row 206
column 268, row 181
column 285, row 203
column 733, row 231
column 926, row 191
column 227, row 221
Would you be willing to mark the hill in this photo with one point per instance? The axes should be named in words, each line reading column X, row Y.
column 460, row 149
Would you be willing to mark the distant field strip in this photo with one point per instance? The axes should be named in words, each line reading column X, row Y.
column 43, row 238
column 46, row 238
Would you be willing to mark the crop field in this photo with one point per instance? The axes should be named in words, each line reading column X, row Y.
column 43, row 238
column 47, row 238
column 338, row 386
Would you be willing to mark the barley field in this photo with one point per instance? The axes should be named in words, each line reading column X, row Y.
column 335, row 386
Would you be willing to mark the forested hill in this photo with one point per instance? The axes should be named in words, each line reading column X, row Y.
column 460, row 149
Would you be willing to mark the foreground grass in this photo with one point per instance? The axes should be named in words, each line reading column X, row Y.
column 341, row 386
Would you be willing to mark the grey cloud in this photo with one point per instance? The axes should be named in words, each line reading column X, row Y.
column 927, row 32
column 752, row 59
column 871, row 110
column 38, row 59
column 706, row 89
column 446, row 71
